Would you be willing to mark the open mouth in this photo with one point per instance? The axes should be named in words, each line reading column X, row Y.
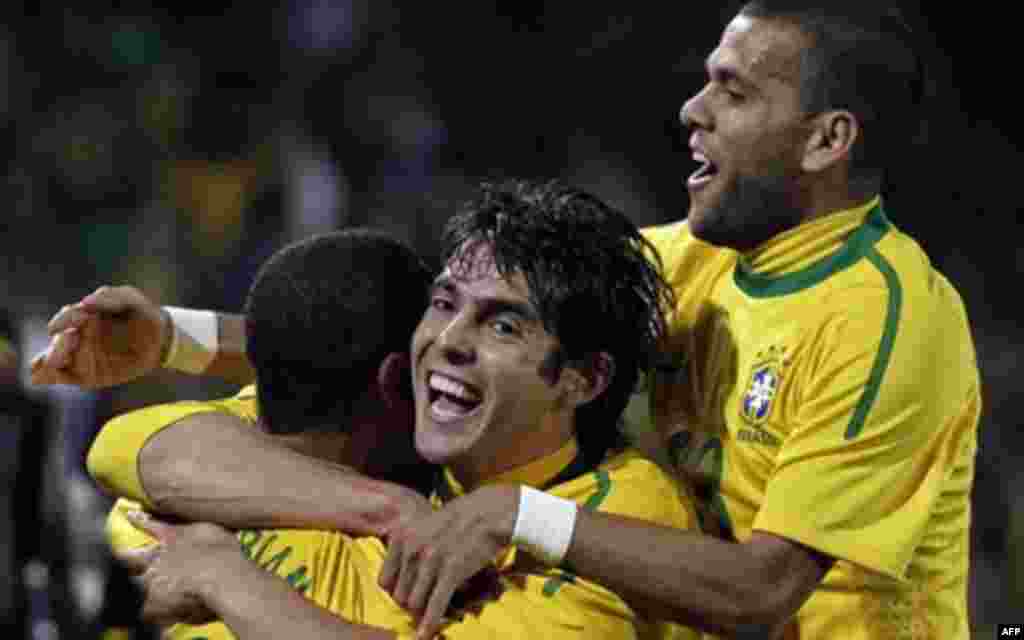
column 451, row 399
column 704, row 173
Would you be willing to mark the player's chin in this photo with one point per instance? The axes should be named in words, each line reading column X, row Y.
column 439, row 445
column 701, row 219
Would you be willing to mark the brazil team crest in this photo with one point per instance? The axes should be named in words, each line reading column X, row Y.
column 759, row 398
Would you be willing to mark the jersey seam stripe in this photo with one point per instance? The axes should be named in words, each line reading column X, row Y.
column 594, row 501
column 884, row 355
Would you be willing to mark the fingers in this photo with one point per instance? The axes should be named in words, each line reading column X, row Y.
column 406, row 579
column 137, row 561
column 70, row 316
column 48, row 367
column 114, row 300
column 433, row 615
column 423, row 581
column 392, row 563
column 408, row 573
column 62, row 348
column 162, row 531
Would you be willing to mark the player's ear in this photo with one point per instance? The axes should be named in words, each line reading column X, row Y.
column 588, row 377
column 832, row 137
column 393, row 380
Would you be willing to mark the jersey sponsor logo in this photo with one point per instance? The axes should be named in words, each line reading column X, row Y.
column 255, row 545
column 757, row 436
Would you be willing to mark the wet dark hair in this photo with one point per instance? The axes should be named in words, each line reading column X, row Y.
column 593, row 278
column 321, row 316
column 864, row 58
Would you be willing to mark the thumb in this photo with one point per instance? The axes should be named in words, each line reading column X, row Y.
column 162, row 531
column 113, row 300
column 137, row 561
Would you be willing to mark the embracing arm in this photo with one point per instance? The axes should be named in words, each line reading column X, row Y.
column 740, row 590
column 196, row 574
column 697, row 580
column 256, row 605
column 212, row 466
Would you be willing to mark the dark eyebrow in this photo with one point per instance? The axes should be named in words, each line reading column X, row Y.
column 498, row 306
column 490, row 306
column 443, row 283
column 724, row 74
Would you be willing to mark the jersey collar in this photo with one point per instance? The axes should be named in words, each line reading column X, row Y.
column 542, row 473
column 810, row 253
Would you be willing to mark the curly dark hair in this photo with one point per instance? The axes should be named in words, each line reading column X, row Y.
column 594, row 279
column 321, row 316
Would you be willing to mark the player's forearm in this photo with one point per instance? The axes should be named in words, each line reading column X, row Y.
column 231, row 362
column 689, row 577
column 256, row 605
column 213, row 467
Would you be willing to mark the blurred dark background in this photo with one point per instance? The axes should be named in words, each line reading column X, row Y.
column 176, row 152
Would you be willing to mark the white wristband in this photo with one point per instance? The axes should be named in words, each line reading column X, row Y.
column 544, row 525
column 193, row 340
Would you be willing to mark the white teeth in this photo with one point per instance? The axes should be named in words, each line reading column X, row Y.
column 452, row 387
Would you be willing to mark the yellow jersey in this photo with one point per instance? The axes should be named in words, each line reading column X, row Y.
column 824, row 388
column 339, row 572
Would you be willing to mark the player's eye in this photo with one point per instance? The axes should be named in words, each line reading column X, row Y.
column 441, row 303
column 505, row 327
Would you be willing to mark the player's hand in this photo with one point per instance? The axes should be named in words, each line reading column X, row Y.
column 429, row 559
column 172, row 572
column 112, row 336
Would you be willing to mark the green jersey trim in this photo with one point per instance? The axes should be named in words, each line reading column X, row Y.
column 856, row 247
column 892, row 320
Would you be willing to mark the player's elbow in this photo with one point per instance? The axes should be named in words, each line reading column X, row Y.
column 760, row 615
column 750, row 607
column 780, row 578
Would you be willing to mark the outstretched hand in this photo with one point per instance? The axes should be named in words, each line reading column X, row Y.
column 172, row 571
column 112, row 336
column 430, row 559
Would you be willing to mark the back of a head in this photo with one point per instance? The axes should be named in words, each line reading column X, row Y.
column 321, row 316
column 864, row 58
column 590, row 279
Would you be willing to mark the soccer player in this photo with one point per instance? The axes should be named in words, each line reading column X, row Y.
column 510, row 387
column 318, row 392
column 822, row 392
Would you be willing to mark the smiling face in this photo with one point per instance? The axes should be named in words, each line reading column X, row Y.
column 490, row 395
column 749, row 136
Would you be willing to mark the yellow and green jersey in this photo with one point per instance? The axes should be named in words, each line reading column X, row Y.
column 339, row 572
column 824, row 388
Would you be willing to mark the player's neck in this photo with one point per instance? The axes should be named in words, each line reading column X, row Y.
column 825, row 197
column 533, row 463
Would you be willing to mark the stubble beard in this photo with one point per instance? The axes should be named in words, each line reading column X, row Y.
column 751, row 211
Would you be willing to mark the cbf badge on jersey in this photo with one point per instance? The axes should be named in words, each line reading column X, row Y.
column 759, row 397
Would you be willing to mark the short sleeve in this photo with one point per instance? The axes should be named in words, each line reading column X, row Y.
column 871, row 445
column 113, row 457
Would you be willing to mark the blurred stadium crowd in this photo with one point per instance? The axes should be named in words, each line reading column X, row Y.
column 177, row 152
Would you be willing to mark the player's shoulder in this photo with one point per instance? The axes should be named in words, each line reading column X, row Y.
column 682, row 255
column 897, row 279
column 242, row 405
column 625, row 475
